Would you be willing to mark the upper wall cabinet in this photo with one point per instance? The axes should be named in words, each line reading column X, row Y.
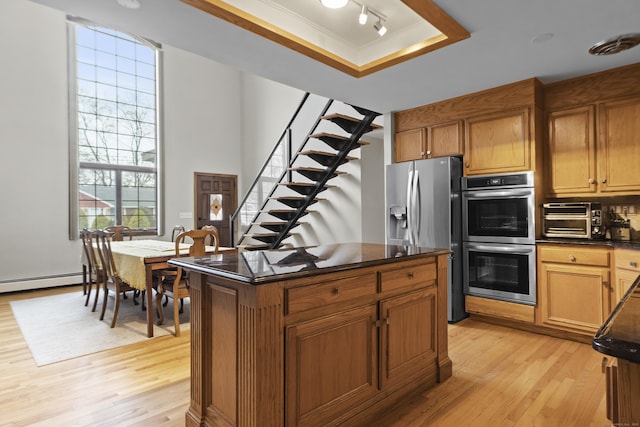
column 496, row 130
column 579, row 164
column 570, row 155
column 497, row 143
column 425, row 143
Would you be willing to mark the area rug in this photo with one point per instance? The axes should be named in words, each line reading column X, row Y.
column 60, row 327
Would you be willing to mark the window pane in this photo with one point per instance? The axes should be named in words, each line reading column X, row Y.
column 116, row 128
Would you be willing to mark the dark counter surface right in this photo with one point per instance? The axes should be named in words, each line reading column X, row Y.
column 619, row 336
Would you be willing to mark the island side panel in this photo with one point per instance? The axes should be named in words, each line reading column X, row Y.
column 261, row 356
column 445, row 368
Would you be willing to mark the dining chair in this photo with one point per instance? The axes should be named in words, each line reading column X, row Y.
column 92, row 271
column 176, row 231
column 112, row 280
column 119, row 232
column 175, row 283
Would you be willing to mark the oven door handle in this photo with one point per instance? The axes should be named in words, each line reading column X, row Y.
column 493, row 194
column 506, row 248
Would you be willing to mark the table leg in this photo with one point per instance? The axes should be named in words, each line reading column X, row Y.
column 149, row 291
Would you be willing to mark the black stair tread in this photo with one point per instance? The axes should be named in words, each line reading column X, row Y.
column 293, row 198
column 352, row 119
column 324, row 135
column 295, row 201
column 305, row 184
column 325, row 154
column 315, row 170
column 364, row 111
column 254, row 235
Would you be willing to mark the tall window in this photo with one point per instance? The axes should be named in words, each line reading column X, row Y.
column 114, row 130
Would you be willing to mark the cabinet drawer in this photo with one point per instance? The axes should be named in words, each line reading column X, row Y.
column 321, row 294
column 628, row 259
column 574, row 255
column 413, row 276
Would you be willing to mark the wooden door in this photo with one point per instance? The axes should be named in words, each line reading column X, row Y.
column 570, row 154
column 573, row 297
column 445, row 139
column 408, row 336
column 619, row 146
column 216, row 199
column 498, row 143
column 331, row 366
column 410, row 145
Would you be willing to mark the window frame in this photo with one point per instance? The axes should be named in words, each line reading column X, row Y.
column 74, row 161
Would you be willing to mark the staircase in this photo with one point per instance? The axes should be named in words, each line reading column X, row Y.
column 276, row 204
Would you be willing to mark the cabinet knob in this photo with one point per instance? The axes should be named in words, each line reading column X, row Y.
column 410, row 275
column 592, row 181
column 422, row 154
column 633, row 264
column 466, row 165
column 572, row 258
column 603, row 180
column 336, row 291
column 428, row 152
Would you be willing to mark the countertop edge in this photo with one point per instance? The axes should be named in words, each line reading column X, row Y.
column 180, row 262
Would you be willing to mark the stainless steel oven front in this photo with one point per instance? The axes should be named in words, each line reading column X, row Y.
column 505, row 272
column 499, row 208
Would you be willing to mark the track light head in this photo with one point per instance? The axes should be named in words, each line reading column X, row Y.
column 380, row 28
column 364, row 15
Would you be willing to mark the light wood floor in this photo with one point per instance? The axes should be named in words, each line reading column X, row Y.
column 501, row 377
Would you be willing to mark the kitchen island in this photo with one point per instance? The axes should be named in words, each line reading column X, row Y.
column 619, row 337
column 321, row 335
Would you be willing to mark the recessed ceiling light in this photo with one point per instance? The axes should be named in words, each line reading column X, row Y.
column 334, row 4
column 541, row 38
column 129, row 4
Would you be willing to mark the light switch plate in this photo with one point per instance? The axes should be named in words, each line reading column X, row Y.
column 186, row 215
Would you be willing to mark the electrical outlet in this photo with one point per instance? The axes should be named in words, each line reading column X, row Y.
column 632, row 210
column 618, row 209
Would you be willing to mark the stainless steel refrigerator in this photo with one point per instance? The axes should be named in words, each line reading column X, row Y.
column 424, row 209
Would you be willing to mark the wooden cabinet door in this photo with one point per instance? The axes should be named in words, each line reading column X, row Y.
column 570, row 154
column 498, row 143
column 410, row 145
column 573, row 297
column 445, row 139
column 407, row 336
column 619, row 146
column 624, row 280
column 323, row 378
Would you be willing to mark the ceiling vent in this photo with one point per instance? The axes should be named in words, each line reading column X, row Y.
column 615, row 44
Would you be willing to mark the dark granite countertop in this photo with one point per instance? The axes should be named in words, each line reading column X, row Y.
column 258, row 267
column 592, row 242
column 619, row 336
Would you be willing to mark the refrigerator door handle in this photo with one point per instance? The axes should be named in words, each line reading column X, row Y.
column 416, row 205
column 409, row 206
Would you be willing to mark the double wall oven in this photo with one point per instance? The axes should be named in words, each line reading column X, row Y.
column 499, row 252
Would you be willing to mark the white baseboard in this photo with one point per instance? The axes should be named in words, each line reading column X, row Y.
column 40, row 283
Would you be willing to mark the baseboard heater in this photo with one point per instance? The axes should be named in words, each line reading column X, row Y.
column 40, row 282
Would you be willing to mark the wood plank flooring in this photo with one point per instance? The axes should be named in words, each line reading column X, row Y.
column 501, row 377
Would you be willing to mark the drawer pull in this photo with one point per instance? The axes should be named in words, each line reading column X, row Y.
column 410, row 275
column 572, row 258
column 336, row 291
column 633, row 264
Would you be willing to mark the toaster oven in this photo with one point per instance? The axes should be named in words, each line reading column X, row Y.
column 581, row 220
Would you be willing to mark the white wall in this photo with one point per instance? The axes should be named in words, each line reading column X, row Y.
column 216, row 120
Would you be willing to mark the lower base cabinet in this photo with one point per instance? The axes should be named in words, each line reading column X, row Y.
column 623, row 391
column 574, row 288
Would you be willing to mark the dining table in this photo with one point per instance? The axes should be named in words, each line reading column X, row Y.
column 136, row 260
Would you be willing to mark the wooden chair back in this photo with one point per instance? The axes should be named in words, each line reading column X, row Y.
column 176, row 231
column 119, row 232
column 200, row 238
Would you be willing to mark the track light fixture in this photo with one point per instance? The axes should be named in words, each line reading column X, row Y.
column 364, row 15
column 380, row 28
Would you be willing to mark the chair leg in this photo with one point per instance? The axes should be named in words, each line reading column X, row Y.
column 84, row 282
column 95, row 300
column 181, row 305
column 86, row 287
column 159, row 308
column 176, row 316
column 104, row 302
column 116, row 308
